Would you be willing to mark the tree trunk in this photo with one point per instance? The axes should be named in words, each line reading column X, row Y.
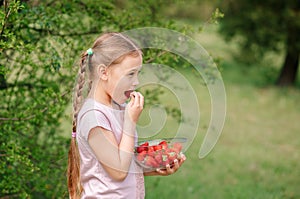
column 290, row 66
column 289, row 69
column 3, row 84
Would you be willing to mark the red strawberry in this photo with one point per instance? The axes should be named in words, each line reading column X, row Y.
column 165, row 159
column 164, row 144
column 151, row 149
column 177, row 146
column 150, row 161
column 157, row 147
column 165, row 163
column 172, row 155
column 169, row 150
column 141, row 156
column 142, row 147
column 158, row 158
column 151, row 153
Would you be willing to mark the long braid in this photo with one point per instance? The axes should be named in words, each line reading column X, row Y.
column 79, row 91
column 74, row 185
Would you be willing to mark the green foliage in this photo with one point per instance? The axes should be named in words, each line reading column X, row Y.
column 40, row 42
column 259, row 26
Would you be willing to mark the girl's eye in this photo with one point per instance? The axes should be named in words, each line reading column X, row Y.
column 131, row 74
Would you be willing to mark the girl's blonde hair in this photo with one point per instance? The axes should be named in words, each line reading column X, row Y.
column 108, row 49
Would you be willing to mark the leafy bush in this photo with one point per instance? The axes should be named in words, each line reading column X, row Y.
column 39, row 43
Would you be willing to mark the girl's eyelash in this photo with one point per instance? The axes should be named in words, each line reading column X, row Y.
column 132, row 73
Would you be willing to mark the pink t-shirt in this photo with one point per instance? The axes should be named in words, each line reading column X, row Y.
column 95, row 180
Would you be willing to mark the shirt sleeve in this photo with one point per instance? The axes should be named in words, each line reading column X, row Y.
column 92, row 119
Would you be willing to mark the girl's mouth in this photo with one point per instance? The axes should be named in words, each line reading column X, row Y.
column 127, row 93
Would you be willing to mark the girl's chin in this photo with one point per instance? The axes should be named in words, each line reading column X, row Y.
column 124, row 98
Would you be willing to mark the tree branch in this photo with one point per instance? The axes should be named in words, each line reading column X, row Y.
column 23, row 84
column 159, row 54
column 7, row 13
column 21, row 119
column 54, row 33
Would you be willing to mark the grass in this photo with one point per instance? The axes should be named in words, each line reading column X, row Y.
column 258, row 153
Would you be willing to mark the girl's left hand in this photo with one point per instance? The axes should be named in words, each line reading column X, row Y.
column 171, row 169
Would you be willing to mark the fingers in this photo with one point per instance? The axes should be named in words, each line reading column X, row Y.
column 141, row 100
column 170, row 169
column 162, row 172
column 135, row 106
column 137, row 99
column 182, row 159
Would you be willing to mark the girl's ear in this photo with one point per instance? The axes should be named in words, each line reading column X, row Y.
column 102, row 72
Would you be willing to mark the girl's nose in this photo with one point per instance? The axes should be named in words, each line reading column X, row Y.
column 136, row 81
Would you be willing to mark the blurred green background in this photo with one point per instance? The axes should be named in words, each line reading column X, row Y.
column 254, row 44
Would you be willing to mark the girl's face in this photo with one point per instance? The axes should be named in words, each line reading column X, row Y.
column 122, row 78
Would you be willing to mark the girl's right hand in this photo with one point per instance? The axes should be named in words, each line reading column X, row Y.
column 135, row 106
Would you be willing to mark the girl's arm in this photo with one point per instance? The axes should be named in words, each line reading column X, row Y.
column 116, row 158
column 169, row 170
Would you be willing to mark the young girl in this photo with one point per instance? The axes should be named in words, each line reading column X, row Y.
column 104, row 134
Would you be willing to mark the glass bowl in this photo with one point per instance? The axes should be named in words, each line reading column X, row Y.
column 156, row 154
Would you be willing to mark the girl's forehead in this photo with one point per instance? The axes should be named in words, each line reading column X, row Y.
column 132, row 63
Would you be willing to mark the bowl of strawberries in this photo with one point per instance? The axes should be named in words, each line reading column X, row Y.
column 158, row 153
